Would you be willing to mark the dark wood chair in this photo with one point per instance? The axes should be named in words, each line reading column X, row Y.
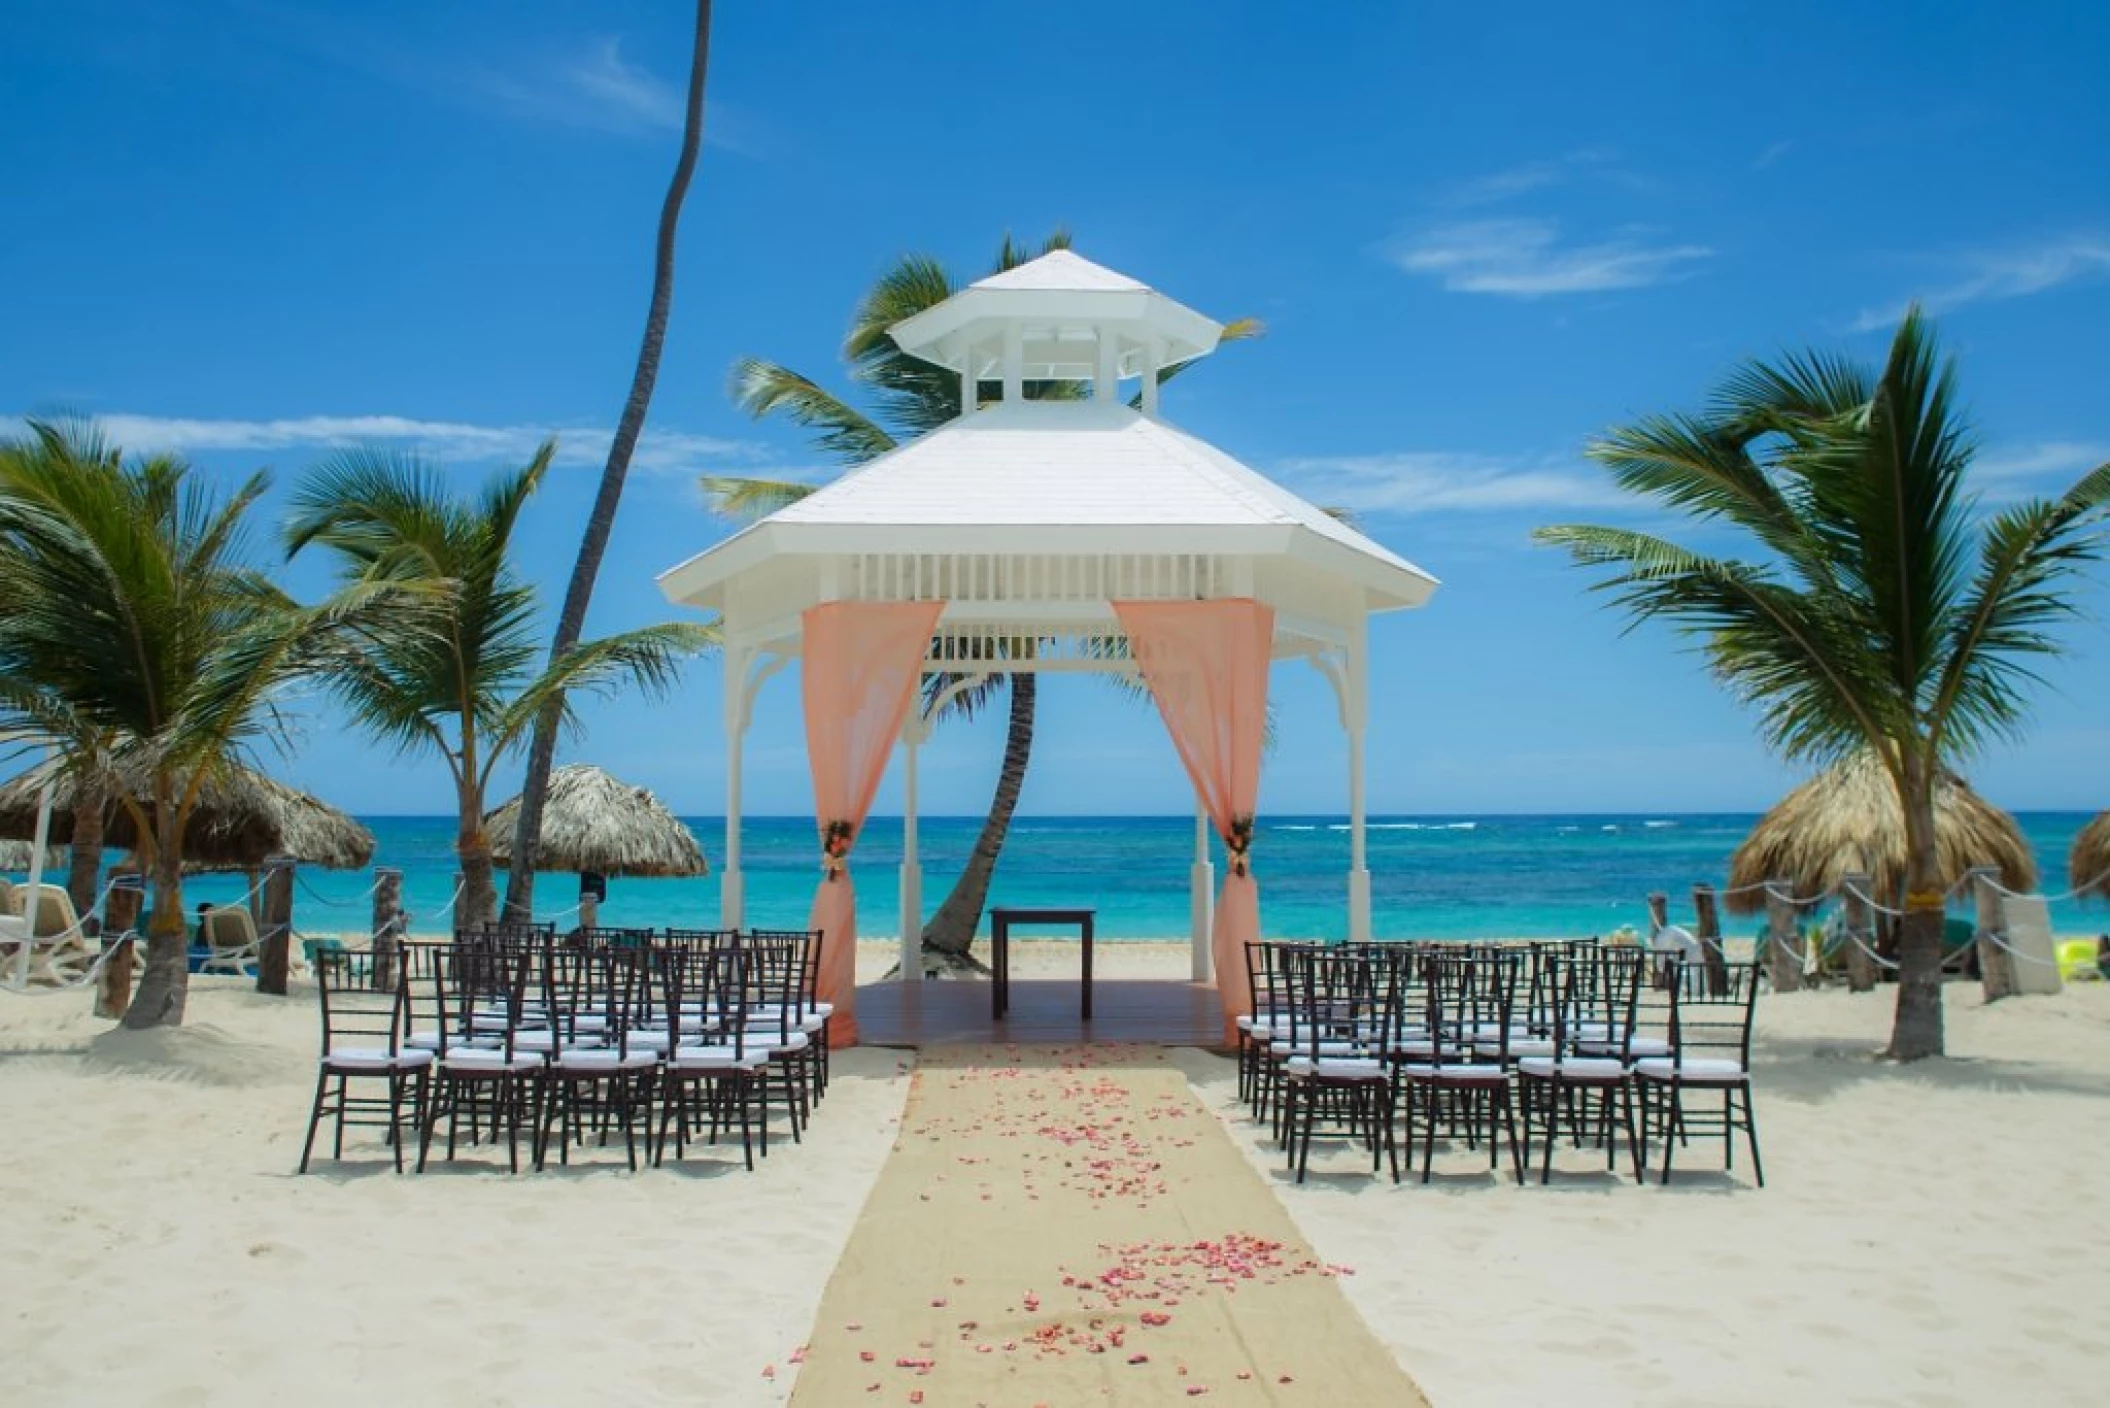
column 1710, row 1053
column 364, row 1030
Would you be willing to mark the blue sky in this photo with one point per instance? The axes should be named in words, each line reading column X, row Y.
column 253, row 232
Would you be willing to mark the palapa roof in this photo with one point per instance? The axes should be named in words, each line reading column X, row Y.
column 1846, row 821
column 596, row 822
column 241, row 818
column 2088, row 863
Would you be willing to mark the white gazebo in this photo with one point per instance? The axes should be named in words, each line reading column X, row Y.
column 1029, row 519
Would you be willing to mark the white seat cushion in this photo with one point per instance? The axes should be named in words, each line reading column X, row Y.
column 1638, row 1047
column 1698, row 1069
column 606, row 1059
column 475, row 1059
column 1473, row 1075
column 363, row 1059
column 1591, row 1068
column 1341, row 1068
column 709, row 1058
column 1538, row 1046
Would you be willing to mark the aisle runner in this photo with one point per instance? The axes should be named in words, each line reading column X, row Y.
column 1068, row 1225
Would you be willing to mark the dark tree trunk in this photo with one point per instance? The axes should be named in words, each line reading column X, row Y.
column 274, row 960
column 86, row 862
column 593, row 543
column 472, row 848
column 949, row 937
column 1916, row 1030
column 120, row 916
column 165, row 985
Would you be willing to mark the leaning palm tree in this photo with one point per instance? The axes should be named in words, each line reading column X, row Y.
column 910, row 397
column 600, row 522
column 134, row 621
column 459, row 677
column 1879, row 608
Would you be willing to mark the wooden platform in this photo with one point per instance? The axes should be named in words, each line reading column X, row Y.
column 1042, row 1010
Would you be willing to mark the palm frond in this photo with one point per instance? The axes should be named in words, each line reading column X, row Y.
column 750, row 499
column 764, row 389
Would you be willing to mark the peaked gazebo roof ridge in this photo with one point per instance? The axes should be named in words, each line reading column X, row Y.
column 1062, row 308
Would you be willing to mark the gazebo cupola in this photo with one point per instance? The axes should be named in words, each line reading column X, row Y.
column 1058, row 318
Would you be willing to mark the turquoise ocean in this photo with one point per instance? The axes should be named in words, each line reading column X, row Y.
column 1435, row 877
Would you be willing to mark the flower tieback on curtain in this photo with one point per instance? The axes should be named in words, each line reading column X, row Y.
column 836, row 839
column 1238, row 843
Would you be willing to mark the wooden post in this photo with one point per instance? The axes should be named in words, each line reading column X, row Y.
column 1781, row 945
column 1658, row 912
column 113, row 991
column 1707, row 920
column 388, row 925
column 274, row 955
column 1996, row 966
column 1860, row 935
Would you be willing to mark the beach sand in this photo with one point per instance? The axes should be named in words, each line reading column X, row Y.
column 1928, row 1235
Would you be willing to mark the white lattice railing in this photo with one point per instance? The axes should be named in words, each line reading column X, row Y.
column 1036, row 577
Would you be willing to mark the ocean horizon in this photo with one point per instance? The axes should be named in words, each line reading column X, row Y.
column 1434, row 876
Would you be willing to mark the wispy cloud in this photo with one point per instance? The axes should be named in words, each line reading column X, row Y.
column 620, row 89
column 2048, row 463
column 670, row 452
column 1528, row 258
column 1772, row 154
column 1515, row 181
column 2014, row 272
column 1418, row 482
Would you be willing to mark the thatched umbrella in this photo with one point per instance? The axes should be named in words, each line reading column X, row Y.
column 2088, row 863
column 241, row 817
column 600, row 826
column 1847, row 821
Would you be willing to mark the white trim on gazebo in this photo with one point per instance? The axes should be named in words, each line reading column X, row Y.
column 1028, row 518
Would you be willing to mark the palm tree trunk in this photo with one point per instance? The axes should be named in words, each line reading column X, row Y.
column 949, row 937
column 86, row 861
column 1916, row 1030
column 472, row 849
column 165, row 985
column 593, row 542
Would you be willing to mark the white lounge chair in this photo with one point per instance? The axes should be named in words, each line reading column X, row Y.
column 230, row 935
column 58, row 951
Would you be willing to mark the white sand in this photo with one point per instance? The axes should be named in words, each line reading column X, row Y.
column 1928, row 1235
column 160, row 1250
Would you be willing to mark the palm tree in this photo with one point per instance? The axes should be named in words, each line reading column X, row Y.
column 1879, row 608
column 910, row 397
column 137, row 639
column 600, row 523
column 455, row 673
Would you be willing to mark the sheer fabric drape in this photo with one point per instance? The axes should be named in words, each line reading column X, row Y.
column 860, row 667
column 1206, row 663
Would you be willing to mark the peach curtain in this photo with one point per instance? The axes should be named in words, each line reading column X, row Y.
column 1206, row 663
column 861, row 664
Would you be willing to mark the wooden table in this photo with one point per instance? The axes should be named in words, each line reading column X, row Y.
column 1000, row 922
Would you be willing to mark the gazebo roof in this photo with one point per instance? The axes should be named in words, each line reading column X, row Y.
column 1064, row 478
column 1028, row 517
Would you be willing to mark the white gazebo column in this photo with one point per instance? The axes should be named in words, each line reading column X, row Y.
column 1201, row 899
column 911, row 862
column 731, row 907
column 1355, row 711
column 1150, row 379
